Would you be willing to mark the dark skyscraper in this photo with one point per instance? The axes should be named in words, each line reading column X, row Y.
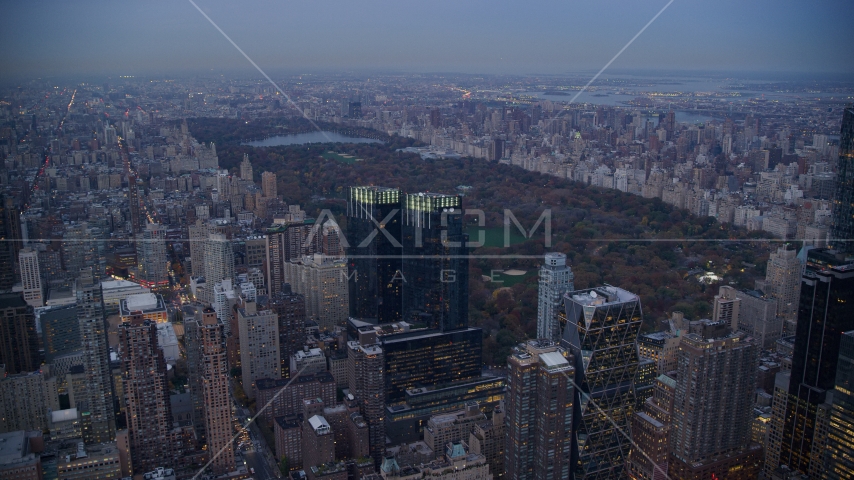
column 60, row 331
column 354, row 109
column 602, row 326
column 10, row 242
column 146, row 393
column 136, row 224
column 290, row 308
column 838, row 455
column 407, row 262
column 193, row 349
column 826, row 311
column 96, row 359
column 435, row 266
column 435, row 118
column 19, row 343
column 425, row 358
column 843, row 202
column 407, row 258
column 374, row 220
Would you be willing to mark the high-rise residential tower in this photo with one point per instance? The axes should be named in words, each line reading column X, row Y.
column 290, row 242
column 758, row 317
column 648, row 459
column 259, row 345
column 217, row 402
column 374, row 255
column 151, row 252
column 78, row 249
column 246, row 168
column 198, row 235
column 146, row 391
column 825, row 312
column 28, row 260
column 602, row 326
column 98, row 398
column 219, row 262
column 290, row 310
column 354, row 109
column 431, row 363
column 842, row 234
column 26, row 400
column 268, row 184
column 713, row 405
column 322, row 281
column 555, row 280
column 539, row 400
column 365, row 368
column 783, row 282
column 726, row 306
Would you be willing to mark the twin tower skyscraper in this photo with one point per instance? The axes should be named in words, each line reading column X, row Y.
column 408, row 263
column 407, row 258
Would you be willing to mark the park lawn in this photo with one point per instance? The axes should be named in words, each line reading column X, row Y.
column 494, row 237
column 349, row 159
column 510, row 280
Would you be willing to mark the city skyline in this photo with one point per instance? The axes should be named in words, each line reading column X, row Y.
column 478, row 38
column 468, row 276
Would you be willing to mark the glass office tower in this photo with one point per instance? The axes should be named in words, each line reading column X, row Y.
column 374, row 262
column 435, row 264
column 602, row 326
column 826, row 311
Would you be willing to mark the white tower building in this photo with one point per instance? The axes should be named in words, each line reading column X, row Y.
column 28, row 259
column 556, row 278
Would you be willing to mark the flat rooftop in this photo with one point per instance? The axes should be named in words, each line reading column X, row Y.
column 119, row 284
column 13, row 447
column 143, row 302
column 554, row 359
column 63, row 415
column 12, row 300
column 601, row 296
column 656, row 335
column 651, row 420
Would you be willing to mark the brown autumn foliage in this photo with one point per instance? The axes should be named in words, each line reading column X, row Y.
column 641, row 245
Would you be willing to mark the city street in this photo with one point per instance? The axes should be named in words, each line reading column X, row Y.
column 259, row 456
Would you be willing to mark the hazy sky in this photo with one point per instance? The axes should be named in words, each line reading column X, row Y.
column 116, row 37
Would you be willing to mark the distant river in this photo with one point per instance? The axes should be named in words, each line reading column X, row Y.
column 312, row 137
